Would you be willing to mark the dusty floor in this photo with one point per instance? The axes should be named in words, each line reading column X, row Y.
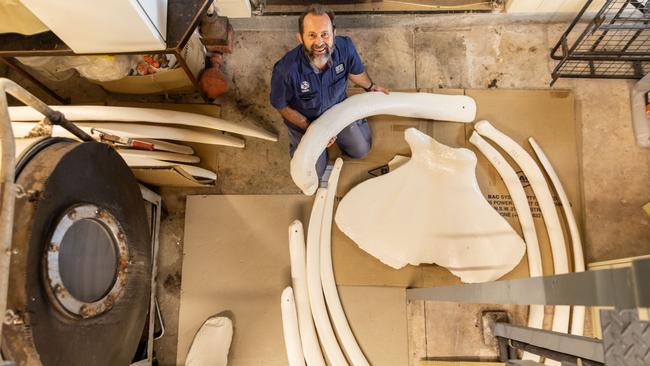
column 405, row 52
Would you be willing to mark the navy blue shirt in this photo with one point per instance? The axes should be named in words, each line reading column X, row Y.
column 296, row 84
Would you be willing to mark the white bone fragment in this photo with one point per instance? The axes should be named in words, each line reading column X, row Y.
column 546, row 205
column 518, row 195
column 290, row 329
column 314, row 287
column 141, row 115
column 211, row 343
column 308, row 338
column 578, row 315
column 349, row 343
column 431, row 210
column 458, row 108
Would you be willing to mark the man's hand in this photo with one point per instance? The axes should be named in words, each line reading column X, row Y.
column 332, row 141
column 294, row 117
column 378, row 88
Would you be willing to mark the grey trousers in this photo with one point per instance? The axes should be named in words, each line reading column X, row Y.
column 354, row 141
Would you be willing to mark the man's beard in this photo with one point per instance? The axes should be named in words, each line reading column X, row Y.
column 322, row 59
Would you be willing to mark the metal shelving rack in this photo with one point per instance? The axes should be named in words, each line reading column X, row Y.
column 615, row 44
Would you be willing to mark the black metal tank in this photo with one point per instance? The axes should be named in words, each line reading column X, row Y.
column 79, row 283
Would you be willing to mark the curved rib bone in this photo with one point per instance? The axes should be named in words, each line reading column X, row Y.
column 339, row 319
column 310, row 346
column 578, row 316
column 316, row 300
column 511, row 180
column 546, row 205
column 290, row 329
column 458, row 108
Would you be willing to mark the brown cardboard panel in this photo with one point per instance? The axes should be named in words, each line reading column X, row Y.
column 548, row 116
column 377, row 316
column 166, row 177
column 236, row 259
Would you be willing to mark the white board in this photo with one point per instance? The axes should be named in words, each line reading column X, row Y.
column 135, row 130
column 142, row 115
column 159, row 155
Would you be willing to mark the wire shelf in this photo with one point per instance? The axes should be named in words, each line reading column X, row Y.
column 615, row 44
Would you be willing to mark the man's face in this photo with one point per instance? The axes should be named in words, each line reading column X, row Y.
column 318, row 38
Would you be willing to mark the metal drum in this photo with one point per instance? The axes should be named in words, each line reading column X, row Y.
column 79, row 281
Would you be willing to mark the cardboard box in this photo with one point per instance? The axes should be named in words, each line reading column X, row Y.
column 169, row 81
column 172, row 81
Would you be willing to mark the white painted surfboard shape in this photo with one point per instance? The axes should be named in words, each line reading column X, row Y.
column 546, row 206
column 455, row 108
column 195, row 171
column 135, row 130
column 142, row 115
column 170, row 146
column 431, row 210
column 160, row 155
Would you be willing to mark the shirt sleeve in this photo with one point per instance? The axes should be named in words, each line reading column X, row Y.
column 355, row 65
column 281, row 92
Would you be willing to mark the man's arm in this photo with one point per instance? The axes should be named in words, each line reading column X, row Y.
column 298, row 120
column 294, row 117
column 363, row 80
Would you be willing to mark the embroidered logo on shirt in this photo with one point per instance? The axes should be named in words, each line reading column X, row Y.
column 304, row 86
column 339, row 69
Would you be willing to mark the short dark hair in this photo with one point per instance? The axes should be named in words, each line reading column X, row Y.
column 315, row 9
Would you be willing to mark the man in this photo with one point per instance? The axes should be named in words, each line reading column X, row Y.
column 312, row 78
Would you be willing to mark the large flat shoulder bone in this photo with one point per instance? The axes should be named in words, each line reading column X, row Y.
column 455, row 108
column 431, row 210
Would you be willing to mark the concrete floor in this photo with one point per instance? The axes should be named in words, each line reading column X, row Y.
column 405, row 52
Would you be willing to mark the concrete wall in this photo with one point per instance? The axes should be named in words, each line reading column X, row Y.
column 549, row 6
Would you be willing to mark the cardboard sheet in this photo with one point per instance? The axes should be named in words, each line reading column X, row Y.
column 236, row 259
column 546, row 115
column 236, row 251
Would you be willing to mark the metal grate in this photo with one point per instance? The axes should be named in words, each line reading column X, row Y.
column 615, row 44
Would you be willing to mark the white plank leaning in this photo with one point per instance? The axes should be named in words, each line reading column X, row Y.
column 142, row 115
